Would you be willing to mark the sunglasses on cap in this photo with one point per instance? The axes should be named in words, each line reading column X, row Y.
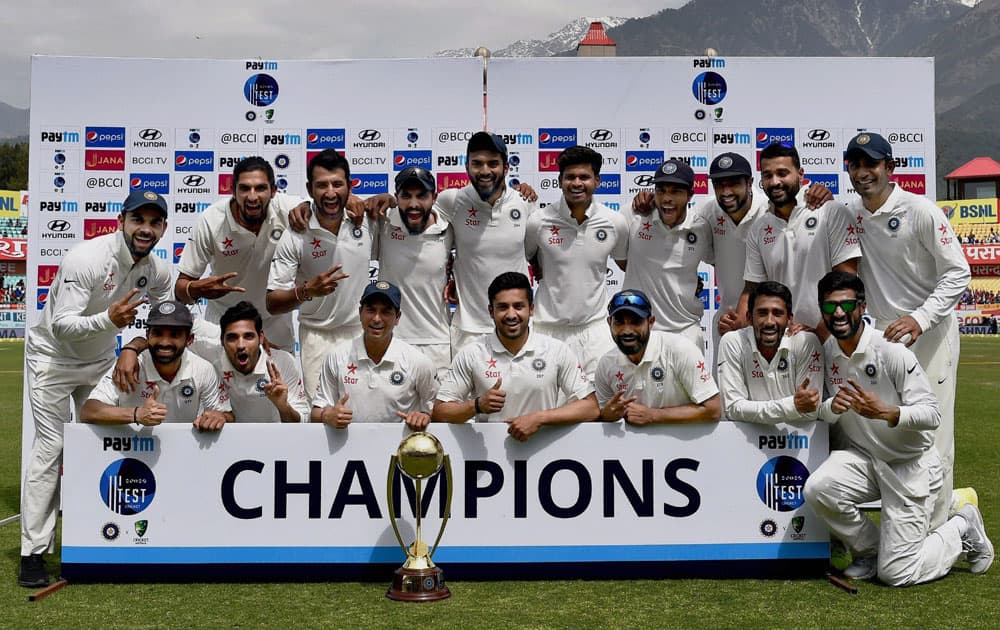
column 830, row 307
column 619, row 301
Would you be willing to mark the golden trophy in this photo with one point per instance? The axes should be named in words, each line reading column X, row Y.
column 419, row 457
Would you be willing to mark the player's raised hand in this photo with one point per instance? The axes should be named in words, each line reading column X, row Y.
column 806, row 399
column 214, row 287
column 615, row 408
column 340, row 415
column 152, row 412
column 122, row 312
column 729, row 321
column 276, row 391
column 416, row 420
column 642, row 203
column 494, row 398
column 325, row 283
column 298, row 217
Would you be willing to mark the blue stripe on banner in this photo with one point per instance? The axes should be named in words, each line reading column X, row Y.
column 362, row 555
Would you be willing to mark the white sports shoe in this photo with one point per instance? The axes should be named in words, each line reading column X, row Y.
column 978, row 548
column 863, row 568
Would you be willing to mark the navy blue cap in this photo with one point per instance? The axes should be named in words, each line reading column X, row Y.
column 169, row 313
column 416, row 174
column 485, row 141
column 871, row 144
column 142, row 198
column 675, row 172
column 729, row 165
column 382, row 289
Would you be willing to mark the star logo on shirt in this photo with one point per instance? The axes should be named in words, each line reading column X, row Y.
column 701, row 365
column 472, row 212
column 815, row 356
column 492, row 363
column 227, row 243
column 227, row 376
column 223, row 386
column 351, row 368
column 316, row 243
column 850, row 229
column 150, row 385
column 554, row 230
column 835, row 369
column 111, row 277
column 720, row 221
column 943, row 229
column 620, row 376
column 860, row 218
column 768, row 230
column 646, row 226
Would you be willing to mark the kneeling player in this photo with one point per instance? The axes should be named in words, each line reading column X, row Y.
column 178, row 386
column 653, row 376
column 885, row 406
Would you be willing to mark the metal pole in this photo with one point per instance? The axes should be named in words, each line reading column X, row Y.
column 484, row 52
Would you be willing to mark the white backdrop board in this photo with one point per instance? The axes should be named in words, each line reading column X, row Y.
column 598, row 494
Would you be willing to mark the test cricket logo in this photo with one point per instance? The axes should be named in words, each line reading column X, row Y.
column 127, row 486
column 780, row 481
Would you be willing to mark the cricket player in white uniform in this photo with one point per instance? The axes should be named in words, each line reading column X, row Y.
column 237, row 237
column 323, row 270
column 883, row 402
column 260, row 385
column 652, row 376
column 175, row 386
column 571, row 241
column 664, row 251
column 93, row 296
column 537, row 370
column 793, row 245
column 376, row 377
column 413, row 248
column 916, row 273
column 767, row 376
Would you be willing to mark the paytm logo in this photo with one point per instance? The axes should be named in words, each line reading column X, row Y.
column 770, row 135
column 405, row 159
column 611, row 184
column 371, row 183
column 105, row 137
column 194, row 160
column 643, row 160
column 325, row 138
column 556, row 137
column 157, row 182
column 830, row 180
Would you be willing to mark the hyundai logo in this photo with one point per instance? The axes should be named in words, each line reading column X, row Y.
column 601, row 135
column 369, row 135
column 819, row 135
column 150, row 134
column 58, row 225
column 643, row 180
column 194, row 181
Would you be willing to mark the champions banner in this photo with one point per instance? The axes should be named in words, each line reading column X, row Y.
column 601, row 494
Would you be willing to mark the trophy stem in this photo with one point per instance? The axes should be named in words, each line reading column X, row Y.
column 419, row 483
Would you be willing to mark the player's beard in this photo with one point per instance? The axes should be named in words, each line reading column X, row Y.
column 135, row 249
column 632, row 344
column 487, row 193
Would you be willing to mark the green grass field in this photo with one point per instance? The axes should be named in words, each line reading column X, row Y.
column 959, row 600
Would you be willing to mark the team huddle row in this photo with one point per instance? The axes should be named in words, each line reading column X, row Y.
column 793, row 268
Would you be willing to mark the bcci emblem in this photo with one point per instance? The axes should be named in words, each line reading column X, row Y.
column 141, row 282
column 657, row 374
column 602, row 235
column 782, row 364
column 811, row 223
column 863, row 139
column 110, row 531
column 396, row 378
column 692, row 238
column 187, row 391
column 669, row 168
column 894, row 224
column 149, row 195
column 725, row 162
column 276, row 233
column 515, row 214
column 382, row 285
column 261, row 382
column 870, row 370
column 166, row 308
column 357, row 232
column 768, row 528
column 538, row 364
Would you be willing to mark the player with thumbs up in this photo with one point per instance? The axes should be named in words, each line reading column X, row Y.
column 765, row 375
column 535, row 368
column 375, row 377
column 174, row 385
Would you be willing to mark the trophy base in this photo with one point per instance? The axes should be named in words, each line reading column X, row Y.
column 418, row 585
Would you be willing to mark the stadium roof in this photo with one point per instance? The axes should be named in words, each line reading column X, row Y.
column 596, row 36
column 976, row 168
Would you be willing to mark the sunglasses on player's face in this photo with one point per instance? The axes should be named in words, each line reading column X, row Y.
column 628, row 300
column 829, row 307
